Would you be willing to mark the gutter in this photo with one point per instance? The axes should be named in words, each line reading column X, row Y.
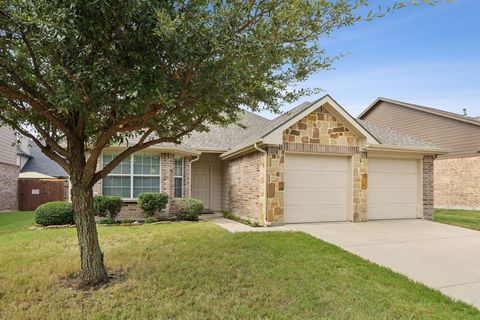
column 383, row 147
column 265, row 220
column 190, row 179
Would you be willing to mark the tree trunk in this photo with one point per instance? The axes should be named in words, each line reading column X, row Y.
column 93, row 271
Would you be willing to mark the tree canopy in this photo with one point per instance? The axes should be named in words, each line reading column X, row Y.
column 78, row 76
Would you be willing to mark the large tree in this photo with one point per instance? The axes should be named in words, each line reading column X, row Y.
column 77, row 76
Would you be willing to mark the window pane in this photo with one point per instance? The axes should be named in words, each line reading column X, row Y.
column 122, row 168
column 179, row 167
column 116, row 186
column 146, row 164
column 178, row 187
column 145, row 184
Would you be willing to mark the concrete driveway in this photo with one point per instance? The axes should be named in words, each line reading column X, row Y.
column 440, row 256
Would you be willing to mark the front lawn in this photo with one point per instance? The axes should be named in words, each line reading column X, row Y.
column 462, row 218
column 197, row 270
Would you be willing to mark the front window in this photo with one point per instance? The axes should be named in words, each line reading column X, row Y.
column 138, row 173
column 178, row 177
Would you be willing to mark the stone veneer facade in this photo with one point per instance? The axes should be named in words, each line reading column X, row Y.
column 457, row 183
column 8, row 187
column 130, row 209
column 319, row 132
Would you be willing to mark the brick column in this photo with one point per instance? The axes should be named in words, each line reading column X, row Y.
column 167, row 173
column 427, row 186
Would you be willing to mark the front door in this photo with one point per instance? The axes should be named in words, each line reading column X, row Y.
column 201, row 183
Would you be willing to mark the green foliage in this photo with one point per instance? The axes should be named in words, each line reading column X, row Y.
column 150, row 220
column 151, row 202
column 106, row 221
column 127, row 221
column 188, row 209
column 54, row 213
column 170, row 66
column 107, row 206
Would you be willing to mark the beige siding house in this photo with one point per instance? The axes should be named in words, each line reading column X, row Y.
column 8, row 170
column 457, row 173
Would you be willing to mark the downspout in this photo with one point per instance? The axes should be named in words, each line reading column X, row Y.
column 190, row 179
column 265, row 220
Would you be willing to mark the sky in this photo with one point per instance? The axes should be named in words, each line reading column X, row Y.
column 423, row 55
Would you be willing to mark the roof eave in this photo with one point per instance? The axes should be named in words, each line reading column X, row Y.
column 408, row 149
column 240, row 150
column 172, row 149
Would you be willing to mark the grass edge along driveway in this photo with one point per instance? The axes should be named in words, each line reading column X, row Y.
column 460, row 218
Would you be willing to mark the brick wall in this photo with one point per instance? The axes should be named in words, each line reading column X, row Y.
column 457, row 183
column 8, row 187
column 242, row 185
column 427, row 180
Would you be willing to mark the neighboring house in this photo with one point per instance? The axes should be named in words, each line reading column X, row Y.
column 41, row 180
column 8, row 170
column 314, row 163
column 457, row 174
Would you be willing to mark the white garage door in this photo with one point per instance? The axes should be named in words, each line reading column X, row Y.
column 316, row 188
column 392, row 189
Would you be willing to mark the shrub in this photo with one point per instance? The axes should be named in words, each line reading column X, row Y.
column 106, row 221
column 150, row 220
column 151, row 202
column 54, row 213
column 107, row 206
column 188, row 209
column 127, row 221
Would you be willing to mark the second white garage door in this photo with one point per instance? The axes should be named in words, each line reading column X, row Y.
column 392, row 191
column 316, row 188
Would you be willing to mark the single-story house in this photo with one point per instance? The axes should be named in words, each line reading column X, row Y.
column 314, row 163
column 8, row 170
column 456, row 174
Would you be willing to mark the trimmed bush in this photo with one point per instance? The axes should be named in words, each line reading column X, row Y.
column 106, row 221
column 107, row 206
column 151, row 202
column 188, row 209
column 150, row 220
column 54, row 213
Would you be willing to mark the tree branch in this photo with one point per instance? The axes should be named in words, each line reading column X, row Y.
column 40, row 108
column 47, row 150
column 36, row 68
column 140, row 146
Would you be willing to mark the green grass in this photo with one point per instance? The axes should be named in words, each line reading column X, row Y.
column 462, row 218
column 197, row 270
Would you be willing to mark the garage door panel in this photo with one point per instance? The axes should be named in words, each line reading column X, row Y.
column 305, row 179
column 392, row 180
column 392, row 188
column 400, row 166
column 386, row 197
column 316, row 188
column 317, row 197
column 395, row 212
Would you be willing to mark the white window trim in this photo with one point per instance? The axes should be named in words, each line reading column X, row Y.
column 132, row 175
column 181, row 177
